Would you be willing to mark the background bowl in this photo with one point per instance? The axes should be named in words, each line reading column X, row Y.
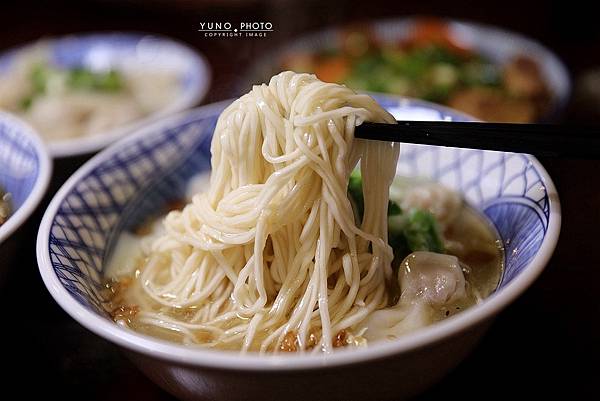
column 496, row 44
column 116, row 49
column 133, row 179
column 24, row 170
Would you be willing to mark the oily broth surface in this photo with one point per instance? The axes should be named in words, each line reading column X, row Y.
column 486, row 260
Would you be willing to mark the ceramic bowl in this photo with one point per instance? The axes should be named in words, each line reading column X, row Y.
column 25, row 170
column 133, row 179
column 123, row 50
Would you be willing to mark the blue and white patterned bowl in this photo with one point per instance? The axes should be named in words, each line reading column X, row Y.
column 25, row 169
column 131, row 180
column 115, row 50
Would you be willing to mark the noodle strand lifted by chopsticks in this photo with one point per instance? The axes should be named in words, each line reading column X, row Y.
column 272, row 248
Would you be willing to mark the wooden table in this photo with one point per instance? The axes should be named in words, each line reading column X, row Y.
column 544, row 345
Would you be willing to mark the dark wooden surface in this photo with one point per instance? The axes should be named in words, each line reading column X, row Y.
column 544, row 345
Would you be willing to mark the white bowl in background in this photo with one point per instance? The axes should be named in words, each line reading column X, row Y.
column 25, row 169
column 115, row 50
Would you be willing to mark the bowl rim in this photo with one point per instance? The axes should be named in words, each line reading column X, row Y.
column 16, row 219
column 89, row 144
column 231, row 360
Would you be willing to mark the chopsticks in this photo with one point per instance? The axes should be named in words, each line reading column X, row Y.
column 546, row 140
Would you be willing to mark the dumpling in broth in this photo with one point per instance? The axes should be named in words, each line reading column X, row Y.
column 430, row 283
column 432, row 278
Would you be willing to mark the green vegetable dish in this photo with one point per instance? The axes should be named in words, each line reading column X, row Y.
column 430, row 64
column 78, row 78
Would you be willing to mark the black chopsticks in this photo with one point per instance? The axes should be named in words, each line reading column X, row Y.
column 546, row 140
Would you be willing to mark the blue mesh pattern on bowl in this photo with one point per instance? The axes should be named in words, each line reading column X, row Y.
column 139, row 178
column 19, row 163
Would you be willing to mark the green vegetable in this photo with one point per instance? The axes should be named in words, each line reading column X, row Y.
column 439, row 54
column 413, row 66
column 81, row 78
column 76, row 78
column 399, row 86
column 39, row 75
column 394, row 57
column 442, row 74
column 26, row 102
column 84, row 79
column 432, row 72
column 480, row 73
column 356, row 196
column 438, row 94
column 422, row 232
column 409, row 232
column 397, row 241
column 394, row 208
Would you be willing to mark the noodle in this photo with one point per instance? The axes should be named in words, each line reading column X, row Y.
column 272, row 249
